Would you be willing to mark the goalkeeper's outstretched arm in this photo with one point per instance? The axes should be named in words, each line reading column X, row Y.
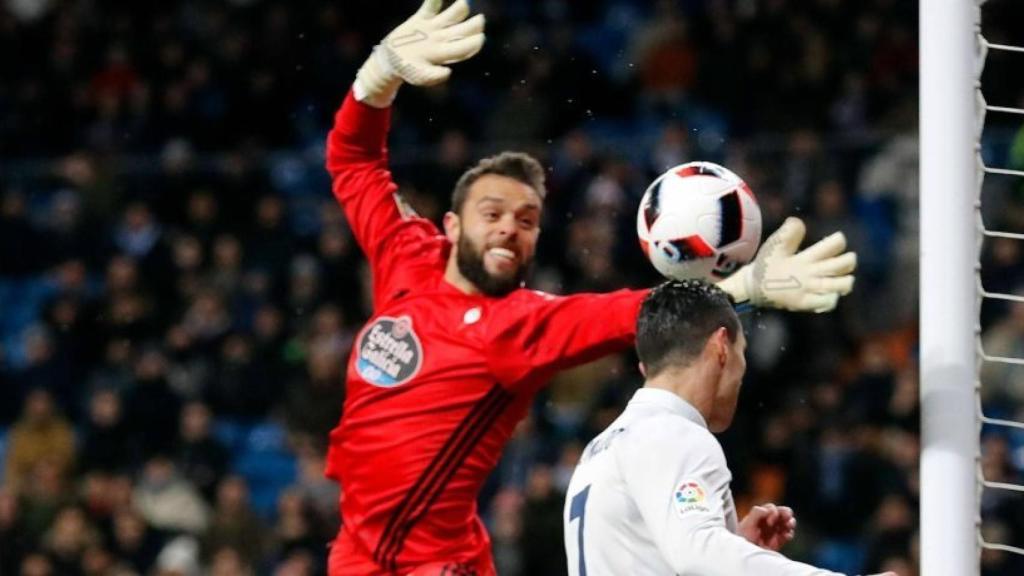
column 811, row 280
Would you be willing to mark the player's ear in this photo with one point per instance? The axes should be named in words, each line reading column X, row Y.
column 452, row 226
column 643, row 369
column 719, row 346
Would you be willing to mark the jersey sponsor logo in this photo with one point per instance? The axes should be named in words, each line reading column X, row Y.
column 390, row 353
column 689, row 495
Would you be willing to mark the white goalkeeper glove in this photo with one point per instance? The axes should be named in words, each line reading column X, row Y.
column 418, row 51
column 781, row 277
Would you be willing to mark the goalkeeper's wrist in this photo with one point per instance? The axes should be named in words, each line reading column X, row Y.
column 736, row 287
column 377, row 82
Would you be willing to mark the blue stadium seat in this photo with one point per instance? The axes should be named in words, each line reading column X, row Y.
column 231, row 433
column 267, row 464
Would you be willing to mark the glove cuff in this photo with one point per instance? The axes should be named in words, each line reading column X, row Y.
column 738, row 286
column 377, row 82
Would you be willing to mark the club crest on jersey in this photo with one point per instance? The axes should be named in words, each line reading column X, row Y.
column 389, row 351
column 689, row 495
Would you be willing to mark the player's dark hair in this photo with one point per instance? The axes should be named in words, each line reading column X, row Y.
column 516, row 165
column 676, row 320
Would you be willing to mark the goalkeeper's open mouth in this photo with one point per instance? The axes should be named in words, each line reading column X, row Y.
column 502, row 258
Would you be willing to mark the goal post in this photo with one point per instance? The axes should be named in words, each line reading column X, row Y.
column 948, row 297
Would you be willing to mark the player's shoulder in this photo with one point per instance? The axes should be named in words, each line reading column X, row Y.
column 665, row 432
column 604, row 441
column 416, row 239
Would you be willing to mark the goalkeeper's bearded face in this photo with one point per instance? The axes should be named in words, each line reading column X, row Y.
column 497, row 233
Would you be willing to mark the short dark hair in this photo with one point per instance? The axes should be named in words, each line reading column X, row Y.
column 676, row 320
column 516, row 165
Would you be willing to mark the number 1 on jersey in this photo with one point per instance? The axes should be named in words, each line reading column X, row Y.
column 578, row 509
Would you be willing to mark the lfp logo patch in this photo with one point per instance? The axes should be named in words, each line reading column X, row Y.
column 689, row 495
column 389, row 351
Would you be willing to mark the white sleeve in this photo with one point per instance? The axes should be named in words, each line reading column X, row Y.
column 678, row 477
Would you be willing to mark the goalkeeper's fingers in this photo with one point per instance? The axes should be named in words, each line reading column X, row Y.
column 840, row 285
column 825, row 302
column 457, row 51
column 429, row 75
column 828, row 246
column 429, row 8
column 457, row 12
column 471, row 27
column 788, row 237
column 836, row 266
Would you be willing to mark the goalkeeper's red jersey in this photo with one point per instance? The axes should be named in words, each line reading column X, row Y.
column 438, row 378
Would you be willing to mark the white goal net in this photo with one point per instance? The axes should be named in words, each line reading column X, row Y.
column 1000, row 330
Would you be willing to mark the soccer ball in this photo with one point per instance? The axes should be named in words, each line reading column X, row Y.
column 698, row 220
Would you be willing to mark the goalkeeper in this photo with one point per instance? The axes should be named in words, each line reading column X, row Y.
column 456, row 348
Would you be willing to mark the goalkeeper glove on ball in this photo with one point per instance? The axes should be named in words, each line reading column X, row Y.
column 780, row 277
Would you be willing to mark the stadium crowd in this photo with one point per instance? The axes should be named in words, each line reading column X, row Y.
column 179, row 291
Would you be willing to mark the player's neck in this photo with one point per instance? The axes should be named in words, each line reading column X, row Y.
column 453, row 276
column 691, row 383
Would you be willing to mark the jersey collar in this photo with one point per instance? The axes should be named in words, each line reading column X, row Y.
column 670, row 401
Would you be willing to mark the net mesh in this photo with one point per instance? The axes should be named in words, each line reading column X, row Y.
column 1000, row 408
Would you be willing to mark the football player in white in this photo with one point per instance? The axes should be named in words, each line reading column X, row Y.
column 651, row 494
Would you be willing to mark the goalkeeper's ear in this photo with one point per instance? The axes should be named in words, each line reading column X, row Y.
column 452, row 227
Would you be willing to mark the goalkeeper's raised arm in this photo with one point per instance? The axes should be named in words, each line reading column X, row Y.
column 418, row 51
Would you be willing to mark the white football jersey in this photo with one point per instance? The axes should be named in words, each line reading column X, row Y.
column 651, row 496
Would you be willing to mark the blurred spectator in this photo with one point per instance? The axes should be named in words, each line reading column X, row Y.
column 315, row 396
column 228, row 561
column 234, row 530
column 37, row 564
column 299, row 529
column 667, row 60
column 46, row 492
column 506, row 521
column 44, row 369
column 268, row 243
column 543, row 549
column 68, row 538
column 180, row 557
column 202, row 459
column 167, row 501
column 298, row 563
column 40, row 436
column 319, row 494
column 241, row 387
column 134, row 540
column 14, row 541
column 227, row 256
column 106, row 445
column 152, row 408
column 17, row 236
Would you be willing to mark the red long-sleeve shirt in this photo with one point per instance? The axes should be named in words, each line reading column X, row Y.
column 438, row 378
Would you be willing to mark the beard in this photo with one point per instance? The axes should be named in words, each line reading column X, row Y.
column 470, row 261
